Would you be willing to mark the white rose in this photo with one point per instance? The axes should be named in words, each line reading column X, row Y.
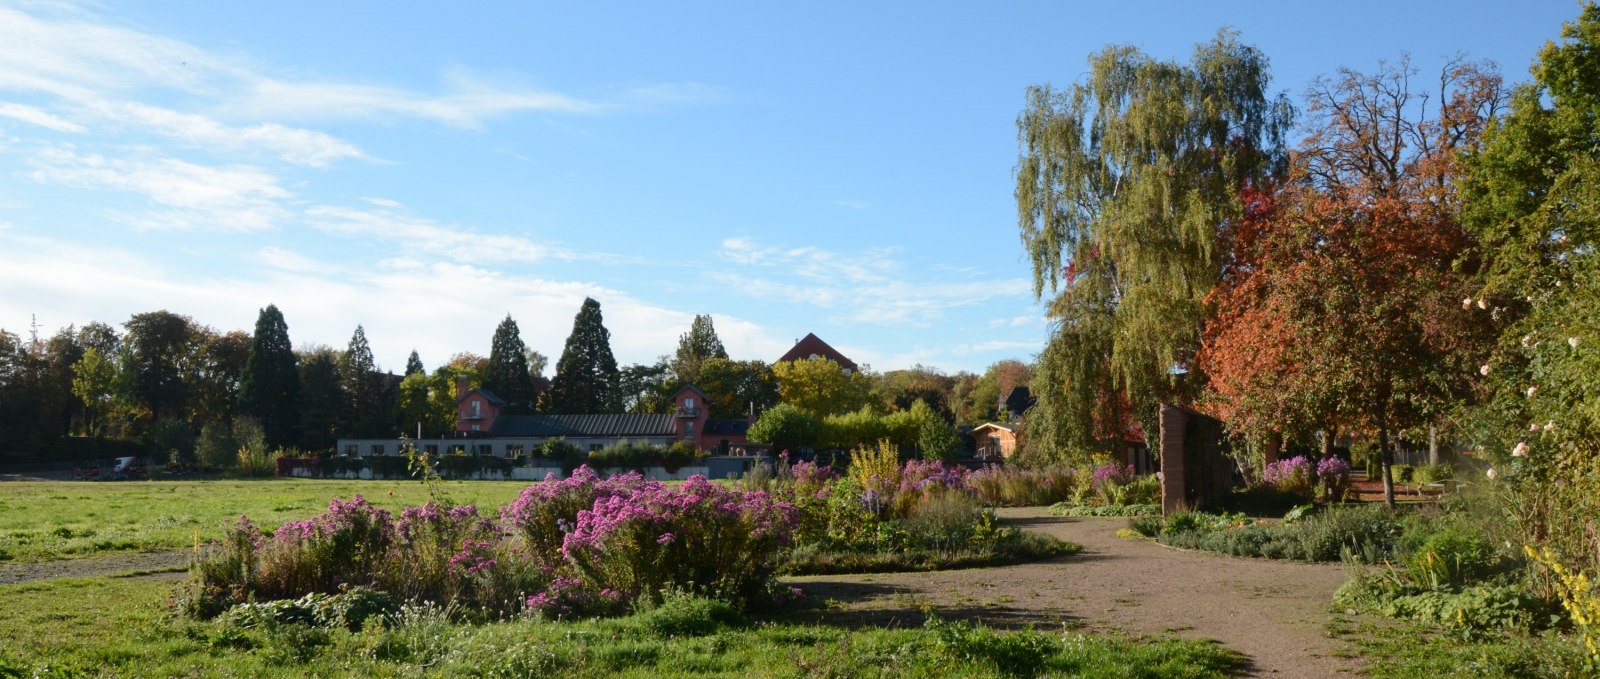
column 1572, row 342
column 1521, row 450
column 1533, row 390
column 1491, row 474
column 1466, row 303
column 1483, row 303
column 1484, row 370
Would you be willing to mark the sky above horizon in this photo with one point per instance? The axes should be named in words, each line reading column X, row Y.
column 425, row 171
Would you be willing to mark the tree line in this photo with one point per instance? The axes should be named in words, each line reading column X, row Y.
column 1418, row 265
column 166, row 385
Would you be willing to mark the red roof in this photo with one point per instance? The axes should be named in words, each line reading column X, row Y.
column 813, row 347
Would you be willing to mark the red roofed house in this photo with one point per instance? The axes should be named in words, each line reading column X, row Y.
column 812, row 346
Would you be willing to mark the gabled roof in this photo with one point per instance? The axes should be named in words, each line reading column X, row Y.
column 583, row 426
column 486, row 394
column 811, row 345
column 1018, row 401
column 695, row 389
column 993, row 425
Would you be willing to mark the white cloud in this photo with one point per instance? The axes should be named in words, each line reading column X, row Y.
column 868, row 287
column 293, row 145
column 416, row 234
column 288, row 260
column 236, row 198
column 467, row 102
column 997, row 345
column 34, row 116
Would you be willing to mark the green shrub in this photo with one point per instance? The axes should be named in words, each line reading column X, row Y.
column 1071, row 510
column 1148, row 526
column 685, row 614
column 1451, row 559
column 566, row 455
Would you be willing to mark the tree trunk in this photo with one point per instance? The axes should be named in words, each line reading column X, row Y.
column 1327, row 442
column 1273, row 448
column 1386, row 456
column 1433, row 445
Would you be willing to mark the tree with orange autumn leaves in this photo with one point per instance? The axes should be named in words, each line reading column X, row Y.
column 1338, row 303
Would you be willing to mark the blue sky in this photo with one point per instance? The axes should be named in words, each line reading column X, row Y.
column 423, row 171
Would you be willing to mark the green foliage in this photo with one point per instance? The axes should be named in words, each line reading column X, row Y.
column 820, row 387
column 506, row 373
column 270, row 389
column 682, row 613
column 414, row 364
column 738, row 388
column 1371, row 534
column 1122, row 181
column 586, row 375
column 937, row 439
column 786, row 427
column 322, row 399
column 695, row 348
column 568, row 455
column 363, row 413
column 1133, row 510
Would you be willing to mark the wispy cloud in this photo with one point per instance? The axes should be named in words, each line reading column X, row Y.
column 34, row 116
column 293, row 145
column 418, row 234
column 189, row 196
column 467, row 101
column 872, row 286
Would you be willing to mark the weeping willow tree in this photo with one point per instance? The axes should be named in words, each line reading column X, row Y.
column 1124, row 182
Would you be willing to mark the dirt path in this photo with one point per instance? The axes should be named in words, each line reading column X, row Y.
column 1272, row 611
column 115, row 564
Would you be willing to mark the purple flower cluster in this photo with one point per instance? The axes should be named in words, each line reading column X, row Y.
column 342, row 518
column 1116, row 475
column 698, row 535
column 566, row 596
column 1334, row 474
column 920, row 475
column 545, row 512
column 1293, row 475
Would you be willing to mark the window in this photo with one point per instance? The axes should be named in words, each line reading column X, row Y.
column 485, row 449
column 688, row 429
column 595, row 446
column 475, row 427
column 477, row 411
column 377, row 449
column 431, row 449
column 458, row 449
column 513, row 450
column 350, row 449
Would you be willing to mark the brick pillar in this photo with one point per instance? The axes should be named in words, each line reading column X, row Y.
column 1174, row 497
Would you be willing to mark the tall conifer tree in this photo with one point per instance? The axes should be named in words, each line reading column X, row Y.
column 363, row 390
column 587, row 372
column 506, row 373
column 270, row 391
column 694, row 347
column 414, row 364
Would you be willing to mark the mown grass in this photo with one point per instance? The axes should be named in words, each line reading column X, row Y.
column 120, row 627
column 1406, row 650
column 41, row 521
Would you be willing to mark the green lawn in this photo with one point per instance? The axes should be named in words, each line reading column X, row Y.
column 40, row 521
column 121, row 627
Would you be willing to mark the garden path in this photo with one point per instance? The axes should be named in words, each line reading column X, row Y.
column 1272, row 611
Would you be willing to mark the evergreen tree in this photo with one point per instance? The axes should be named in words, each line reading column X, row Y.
column 586, row 375
column 363, row 389
column 694, row 348
column 506, row 373
column 414, row 364
column 270, row 391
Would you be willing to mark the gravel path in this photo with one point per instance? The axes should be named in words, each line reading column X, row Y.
column 116, row 564
column 1272, row 611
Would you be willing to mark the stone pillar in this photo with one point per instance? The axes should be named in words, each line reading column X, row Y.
column 1174, row 497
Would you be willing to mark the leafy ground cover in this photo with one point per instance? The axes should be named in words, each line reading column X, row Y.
column 45, row 520
column 122, row 626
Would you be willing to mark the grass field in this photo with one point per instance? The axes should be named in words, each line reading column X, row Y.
column 41, row 521
column 121, row 627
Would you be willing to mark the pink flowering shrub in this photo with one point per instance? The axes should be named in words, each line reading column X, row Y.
column 447, row 555
column 1294, row 475
column 699, row 536
column 567, row 597
column 1334, row 476
column 544, row 513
